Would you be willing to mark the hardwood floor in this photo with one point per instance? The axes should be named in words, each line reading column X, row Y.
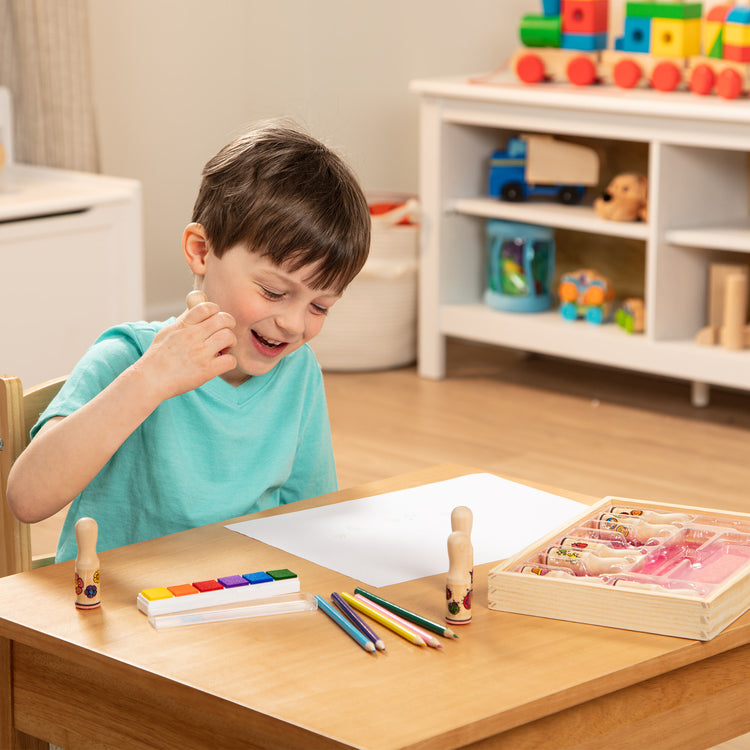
column 589, row 429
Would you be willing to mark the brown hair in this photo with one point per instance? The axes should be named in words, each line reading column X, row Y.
column 288, row 197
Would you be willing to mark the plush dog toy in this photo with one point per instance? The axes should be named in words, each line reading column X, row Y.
column 625, row 198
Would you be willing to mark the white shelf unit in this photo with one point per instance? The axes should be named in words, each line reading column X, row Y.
column 699, row 199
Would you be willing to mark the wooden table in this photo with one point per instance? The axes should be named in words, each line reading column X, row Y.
column 107, row 679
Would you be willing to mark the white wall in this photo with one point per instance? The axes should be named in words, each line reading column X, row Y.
column 174, row 80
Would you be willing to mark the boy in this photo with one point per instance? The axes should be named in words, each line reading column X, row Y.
column 220, row 412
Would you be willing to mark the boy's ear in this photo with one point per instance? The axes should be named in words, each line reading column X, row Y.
column 195, row 248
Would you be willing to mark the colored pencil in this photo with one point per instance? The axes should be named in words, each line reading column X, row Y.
column 345, row 625
column 358, row 622
column 409, row 635
column 429, row 639
column 435, row 627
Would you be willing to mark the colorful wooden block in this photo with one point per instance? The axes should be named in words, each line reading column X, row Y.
column 585, row 16
column 587, row 42
column 539, row 31
column 226, row 590
column 636, row 35
column 664, row 10
column 739, row 14
column 712, row 38
column 675, row 37
column 736, row 53
column 737, row 34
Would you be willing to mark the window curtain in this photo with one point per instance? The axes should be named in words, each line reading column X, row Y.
column 45, row 61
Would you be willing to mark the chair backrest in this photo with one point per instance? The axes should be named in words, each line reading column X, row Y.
column 19, row 411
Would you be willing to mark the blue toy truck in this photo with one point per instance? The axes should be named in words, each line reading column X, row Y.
column 540, row 165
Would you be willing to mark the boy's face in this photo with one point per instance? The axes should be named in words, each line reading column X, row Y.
column 275, row 310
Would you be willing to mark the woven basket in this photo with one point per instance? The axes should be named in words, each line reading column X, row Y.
column 374, row 325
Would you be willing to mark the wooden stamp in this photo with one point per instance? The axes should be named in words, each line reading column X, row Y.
column 459, row 584
column 195, row 298
column 462, row 519
column 87, row 584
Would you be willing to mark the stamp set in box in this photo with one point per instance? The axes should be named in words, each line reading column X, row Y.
column 638, row 565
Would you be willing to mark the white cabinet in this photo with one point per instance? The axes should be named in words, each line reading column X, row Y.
column 697, row 154
column 71, row 264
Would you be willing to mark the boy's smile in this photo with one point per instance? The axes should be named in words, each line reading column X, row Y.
column 275, row 310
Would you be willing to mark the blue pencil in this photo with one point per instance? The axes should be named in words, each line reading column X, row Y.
column 358, row 621
column 342, row 622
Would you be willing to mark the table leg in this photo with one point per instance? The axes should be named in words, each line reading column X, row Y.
column 9, row 737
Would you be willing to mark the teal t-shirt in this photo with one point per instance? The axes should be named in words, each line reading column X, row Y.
column 208, row 455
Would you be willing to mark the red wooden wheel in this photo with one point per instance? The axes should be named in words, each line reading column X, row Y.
column 665, row 76
column 530, row 68
column 702, row 79
column 627, row 73
column 729, row 84
column 581, row 71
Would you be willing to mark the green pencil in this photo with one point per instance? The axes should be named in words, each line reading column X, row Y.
column 435, row 627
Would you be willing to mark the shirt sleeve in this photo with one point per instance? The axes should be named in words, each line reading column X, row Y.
column 112, row 353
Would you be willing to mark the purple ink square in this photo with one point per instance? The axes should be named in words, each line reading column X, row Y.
column 230, row 582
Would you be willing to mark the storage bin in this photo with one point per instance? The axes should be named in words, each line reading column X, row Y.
column 374, row 325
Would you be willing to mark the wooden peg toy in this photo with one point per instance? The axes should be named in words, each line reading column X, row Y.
column 88, row 588
column 600, row 549
column 458, row 583
column 634, row 529
column 538, row 570
column 462, row 519
column 587, row 563
column 651, row 516
column 195, row 298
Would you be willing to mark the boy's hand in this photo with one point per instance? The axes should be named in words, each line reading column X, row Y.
column 191, row 351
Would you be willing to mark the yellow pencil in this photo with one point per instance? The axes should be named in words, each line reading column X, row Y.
column 383, row 620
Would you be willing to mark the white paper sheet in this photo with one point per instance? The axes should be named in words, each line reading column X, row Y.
column 402, row 535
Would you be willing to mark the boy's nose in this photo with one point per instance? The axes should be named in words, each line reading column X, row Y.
column 291, row 320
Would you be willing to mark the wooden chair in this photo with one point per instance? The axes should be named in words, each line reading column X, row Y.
column 19, row 411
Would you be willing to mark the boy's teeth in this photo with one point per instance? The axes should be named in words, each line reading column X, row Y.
column 269, row 342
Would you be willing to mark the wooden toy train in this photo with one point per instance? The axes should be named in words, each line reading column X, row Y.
column 665, row 45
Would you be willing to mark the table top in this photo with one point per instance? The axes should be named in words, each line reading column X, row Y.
column 299, row 670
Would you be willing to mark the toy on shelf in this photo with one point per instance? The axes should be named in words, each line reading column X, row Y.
column 625, row 199
column 664, row 45
column 631, row 315
column 585, row 293
column 520, row 266
column 727, row 307
column 540, row 165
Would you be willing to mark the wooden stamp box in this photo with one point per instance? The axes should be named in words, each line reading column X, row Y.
column 633, row 564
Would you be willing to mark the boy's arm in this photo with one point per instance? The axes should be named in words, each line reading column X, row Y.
column 68, row 452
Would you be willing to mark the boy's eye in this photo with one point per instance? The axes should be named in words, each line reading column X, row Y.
column 271, row 294
column 320, row 310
